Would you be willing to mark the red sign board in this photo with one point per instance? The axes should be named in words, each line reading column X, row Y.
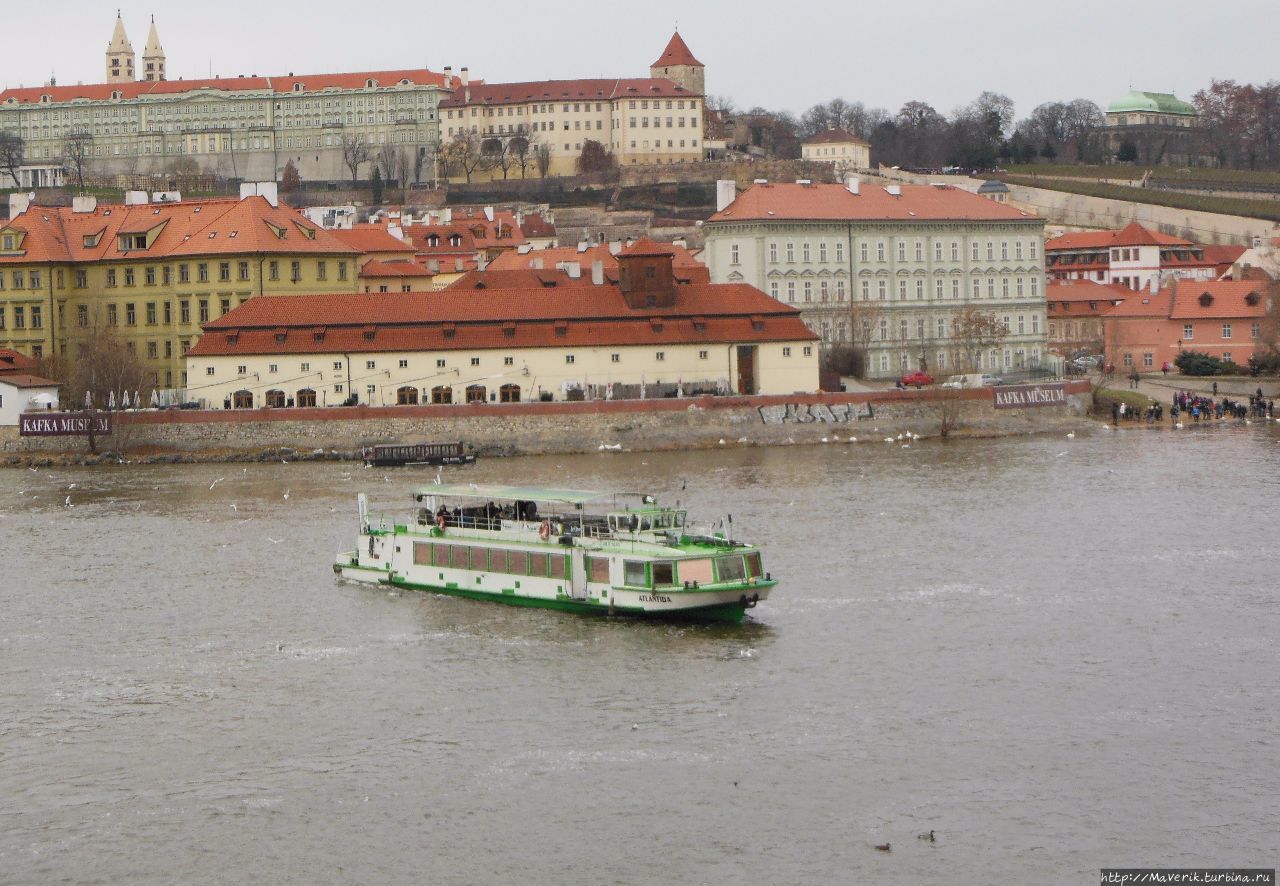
column 1026, row 396
column 63, row 424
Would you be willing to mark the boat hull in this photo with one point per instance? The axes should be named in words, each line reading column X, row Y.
column 714, row 605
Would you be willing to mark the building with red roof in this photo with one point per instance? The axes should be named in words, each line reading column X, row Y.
column 685, row 265
column 646, row 331
column 1133, row 256
column 887, row 269
column 1221, row 318
column 655, row 119
column 843, row 150
column 1075, row 309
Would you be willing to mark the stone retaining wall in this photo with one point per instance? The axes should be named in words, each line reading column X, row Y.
column 562, row 427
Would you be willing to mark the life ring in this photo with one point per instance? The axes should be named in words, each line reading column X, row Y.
column 544, row 531
column 441, row 521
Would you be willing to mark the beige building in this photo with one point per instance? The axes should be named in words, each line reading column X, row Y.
column 842, row 149
column 658, row 119
column 245, row 127
column 888, row 268
column 646, row 335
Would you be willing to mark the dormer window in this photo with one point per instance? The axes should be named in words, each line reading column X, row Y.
column 129, row 241
column 370, row 83
column 117, row 94
column 1205, row 300
column 1252, row 299
column 449, row 330
column 455, row 240
column 298, row 87
column 309, row 233
column 45, row 99
column 433, row 240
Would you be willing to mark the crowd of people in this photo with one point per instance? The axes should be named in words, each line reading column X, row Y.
column 1194, row 407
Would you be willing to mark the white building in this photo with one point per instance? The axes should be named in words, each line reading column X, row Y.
column 842, row 149
column 888, row 268
column 21, row 392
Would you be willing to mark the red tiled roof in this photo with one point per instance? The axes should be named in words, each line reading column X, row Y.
column 676, row 53
column 133, row 90
column 24, row 380
column 371, row 238
column 14, row 361
column 836, row 137
column 1226, row 299
column 564, row 90
column 1085, row 290
column 686, row 267
column 1132, row 234
column 1142, row 304
column 823, row 202
column 590, row 315
column 393, row 269
column 534, row 225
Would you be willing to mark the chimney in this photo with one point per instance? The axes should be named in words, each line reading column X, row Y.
column 464, row 76
column 1155, row 283
column 448, row 216
column 573, row 269
column 854, row 184
column 615, row 246
column 85, row 203
column 535, row 264
column 761, row 181
column 488, row 210
column 804, row 181
column 433, row 265
column 18, row 203
column 597, row 273
column 135, row 198
column 457, row 265
column 448, row 76
column 893, row 190
column 726, row 193
column 583, row 245
column 396, row 231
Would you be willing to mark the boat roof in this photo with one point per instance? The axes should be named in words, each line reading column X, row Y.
column 517, row 493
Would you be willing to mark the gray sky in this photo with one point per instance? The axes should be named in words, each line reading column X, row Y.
column 775, row 55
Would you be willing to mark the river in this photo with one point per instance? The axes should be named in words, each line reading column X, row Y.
column 1058, row 654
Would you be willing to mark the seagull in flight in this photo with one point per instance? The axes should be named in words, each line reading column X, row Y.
column 216, row 482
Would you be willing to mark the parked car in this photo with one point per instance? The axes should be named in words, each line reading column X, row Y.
column 973, row 380
column 916, row 379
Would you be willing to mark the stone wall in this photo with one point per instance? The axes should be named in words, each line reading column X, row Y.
column 532, row 428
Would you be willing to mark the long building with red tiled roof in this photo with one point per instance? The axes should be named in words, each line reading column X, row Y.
column 1221, row 318
column 506, row 344
column 657, row 119
column 887, row 270
column 1133, row 257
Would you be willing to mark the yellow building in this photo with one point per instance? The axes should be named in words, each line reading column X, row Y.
column 154, row 272
column 645, row 335
column 842, row 149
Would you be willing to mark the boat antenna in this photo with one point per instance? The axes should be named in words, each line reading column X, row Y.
column 731, row 528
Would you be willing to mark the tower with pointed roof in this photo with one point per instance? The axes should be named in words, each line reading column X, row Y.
column 153, row 56
column 678, row 65
column 120, row 55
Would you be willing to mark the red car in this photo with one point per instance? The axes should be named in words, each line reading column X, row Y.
column 917, row 379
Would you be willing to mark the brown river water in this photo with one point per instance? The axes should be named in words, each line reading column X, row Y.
column 1058, row 654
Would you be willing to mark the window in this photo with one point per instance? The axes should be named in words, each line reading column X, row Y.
column 440, row 364
column 129, row 279
column 82, row 278
column 1148, row 360
column 342, row 270
column 568, row 358
column 733, row 254
column 702, row 355
column 660, row 356
column 1188, row 331
column 322, row 270
column 243, row 270
column 111, row 277
column 808, row 350
column 202, row 272
column 786, row 352
column 149, row 275
column 370, row 364
column 152, row 350
column 224, row 270
column 273, row 270
column 1226, row 330
column 337, row 364
column 475, row 361
column 130, row 315
column 208, row 370
column 295, row 271
column 204, row 310
column 37, row 320
column 1255, row 330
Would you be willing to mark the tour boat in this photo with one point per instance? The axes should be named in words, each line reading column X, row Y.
column 584, row 552
column 402, row 454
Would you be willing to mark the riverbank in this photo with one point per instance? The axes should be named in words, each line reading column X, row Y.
column 508, row 429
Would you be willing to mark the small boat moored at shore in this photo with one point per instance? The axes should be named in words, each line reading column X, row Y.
column 405, row 454
column 577, row 551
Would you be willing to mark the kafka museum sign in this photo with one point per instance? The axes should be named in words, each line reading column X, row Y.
column 63, row 424
column 1024, row 396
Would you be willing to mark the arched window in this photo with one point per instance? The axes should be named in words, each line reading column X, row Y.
column 509, row 393
column 476, row 394
column 306, row 397
column 275, row 399
column 442, row 394
column 407, row 396
column 242, row 400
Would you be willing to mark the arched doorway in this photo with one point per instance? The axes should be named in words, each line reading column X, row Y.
column 275, row 399
column 509, row 393
column 306, row 397
column 242, row 400
column 442, row 394
column 476, row 394
column 407, row 396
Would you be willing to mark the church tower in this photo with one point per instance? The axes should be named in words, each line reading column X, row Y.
column 153, row 56
column 120, row 55
column 678, row 65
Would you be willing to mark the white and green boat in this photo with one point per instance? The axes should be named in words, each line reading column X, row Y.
column 585, row 552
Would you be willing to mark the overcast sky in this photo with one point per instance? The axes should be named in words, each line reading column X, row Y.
column 777, row 55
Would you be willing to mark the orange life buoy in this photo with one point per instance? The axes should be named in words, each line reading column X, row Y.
column 440, row 520
column 544, row 531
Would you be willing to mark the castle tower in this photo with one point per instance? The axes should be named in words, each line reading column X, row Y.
column 120, row 55
column 678, row 65
column 153, row 56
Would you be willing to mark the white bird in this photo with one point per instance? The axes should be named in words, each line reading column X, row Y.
column 274, row 541
column 286, row 495
column 1060, row 455
column 1071, row 435
column 888, row 439
column 853, row 439
column 825, row 440
column 742, row 439
column 72, row 486
column 915, row 436
column 906, row 445
column 234, row 508
column 216, row 482
column 1178, row 426
column 722, row 441
column 68, row 501
column 899, row 436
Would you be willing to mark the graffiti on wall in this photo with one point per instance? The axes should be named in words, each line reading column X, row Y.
column 820, row 413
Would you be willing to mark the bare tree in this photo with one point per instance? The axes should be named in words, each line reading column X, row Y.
column 595, row 159
column 76, row 150
column 542, row 159
column 497, row 154
column 355, row 153
column 12, row 149
column 385, row 160
column 463, row 155
column 974, row 332
column 521, row 148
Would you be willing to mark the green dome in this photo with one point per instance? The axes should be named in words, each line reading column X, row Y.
column 1151, row 102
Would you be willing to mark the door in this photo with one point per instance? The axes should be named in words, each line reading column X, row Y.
column 578, row 579
column 746, row 369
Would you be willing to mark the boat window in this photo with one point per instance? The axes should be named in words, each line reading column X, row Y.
column 634, row 574
column 538, row 564
column 598, row 569
column 439, row 555
column 497, row 561
column 696, row 570
column 730, row 569
column 518, row 562
column 460, row 555
column 754, row 568
column 664, row 574
column 422, row 553
column 558, row 565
